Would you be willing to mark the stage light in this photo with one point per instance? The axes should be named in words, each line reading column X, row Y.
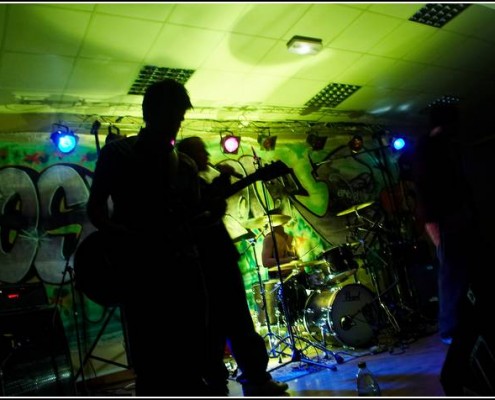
column 64, row 139
column 230, row 143
column 356, row 143
column 266, row 141
column 398, row 143
column 316, row 142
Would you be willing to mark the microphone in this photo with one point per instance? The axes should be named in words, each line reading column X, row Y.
column 230, row 172
column 256, row 158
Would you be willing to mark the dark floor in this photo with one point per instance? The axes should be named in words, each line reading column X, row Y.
column 405, row 358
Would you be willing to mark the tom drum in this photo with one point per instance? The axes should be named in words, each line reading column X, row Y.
column 340, row 258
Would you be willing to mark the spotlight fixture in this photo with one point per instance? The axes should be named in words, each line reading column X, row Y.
column 398, row 143
column 230, row 143
column 304, row 45
column 356, row 143
column 64, row 139
column 266, row 141
column 316, row 142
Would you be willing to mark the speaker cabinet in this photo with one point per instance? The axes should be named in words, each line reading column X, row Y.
column 34, row 354
column 424, row 285
column 469, row 366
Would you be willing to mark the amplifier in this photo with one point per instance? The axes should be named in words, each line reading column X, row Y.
column 22, row 295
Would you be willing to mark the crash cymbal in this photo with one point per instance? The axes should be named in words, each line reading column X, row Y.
column 261, row 222
column 341, row 277
column 355, row 208
column 298, row 265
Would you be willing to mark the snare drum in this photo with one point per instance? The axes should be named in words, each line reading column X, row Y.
column 345, row 316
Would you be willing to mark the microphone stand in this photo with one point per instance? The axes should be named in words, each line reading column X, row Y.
column 296, row 354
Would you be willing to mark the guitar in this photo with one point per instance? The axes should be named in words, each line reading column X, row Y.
column 268, row 172
column 95, row 270
column 99, row 256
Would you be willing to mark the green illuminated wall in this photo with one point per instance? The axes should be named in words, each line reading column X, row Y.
column 46, row 192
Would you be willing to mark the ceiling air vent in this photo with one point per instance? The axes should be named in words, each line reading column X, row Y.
column 332, row 95
column 447, row 99
column 150, row 74
column 437, row 15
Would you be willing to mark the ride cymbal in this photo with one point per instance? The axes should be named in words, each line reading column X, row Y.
column 355, row 208
column 261, row 222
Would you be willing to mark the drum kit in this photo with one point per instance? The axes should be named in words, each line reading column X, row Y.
column 316, row 295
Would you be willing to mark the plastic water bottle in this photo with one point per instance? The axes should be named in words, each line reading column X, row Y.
column 366, row 383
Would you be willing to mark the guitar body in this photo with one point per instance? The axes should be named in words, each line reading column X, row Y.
column 95, row 272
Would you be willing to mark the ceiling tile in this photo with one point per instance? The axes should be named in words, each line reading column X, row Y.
column 324, row 21
column 399, row 72
column 74, row 6
column 280, row 62
column 436, row 46
column 402, row 10
column 238, row 53
column 217, row 16
column 154, row 12
column 472, row 49
column 214, row 87
column 168, row 49
column 366, row 69
column 474, row 21
column 328, row 64
column 404, row 37
column 296, row 92
column 3, row 20
column 431, row 80
column 101, row 79
column 365, row 32
column 50, row 30
column 270, row 20
column 36, row 73
column 119, row 38
column 256, row 88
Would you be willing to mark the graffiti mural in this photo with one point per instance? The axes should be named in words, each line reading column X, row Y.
column 43, row 219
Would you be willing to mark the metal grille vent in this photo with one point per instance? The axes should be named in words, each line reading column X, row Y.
column 150, row 74
column 332, row 95
column 437, row 15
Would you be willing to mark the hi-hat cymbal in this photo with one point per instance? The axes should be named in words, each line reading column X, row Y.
column 261, row 222
column 355, row 208
column 298, row 265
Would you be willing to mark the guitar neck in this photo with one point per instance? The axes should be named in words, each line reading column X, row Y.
column 239, row 185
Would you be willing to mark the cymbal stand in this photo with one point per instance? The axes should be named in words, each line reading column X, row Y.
column 290, row 341
column 367, row 249
column 272, row 337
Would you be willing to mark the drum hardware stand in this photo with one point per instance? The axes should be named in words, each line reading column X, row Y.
column 393, row 322
column 89, row 354
column 271, row 336
column 297, row 355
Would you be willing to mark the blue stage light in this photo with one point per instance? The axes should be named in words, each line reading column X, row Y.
column 398, row 143
column 64, row 139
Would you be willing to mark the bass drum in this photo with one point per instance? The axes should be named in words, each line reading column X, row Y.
column 344, row 316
